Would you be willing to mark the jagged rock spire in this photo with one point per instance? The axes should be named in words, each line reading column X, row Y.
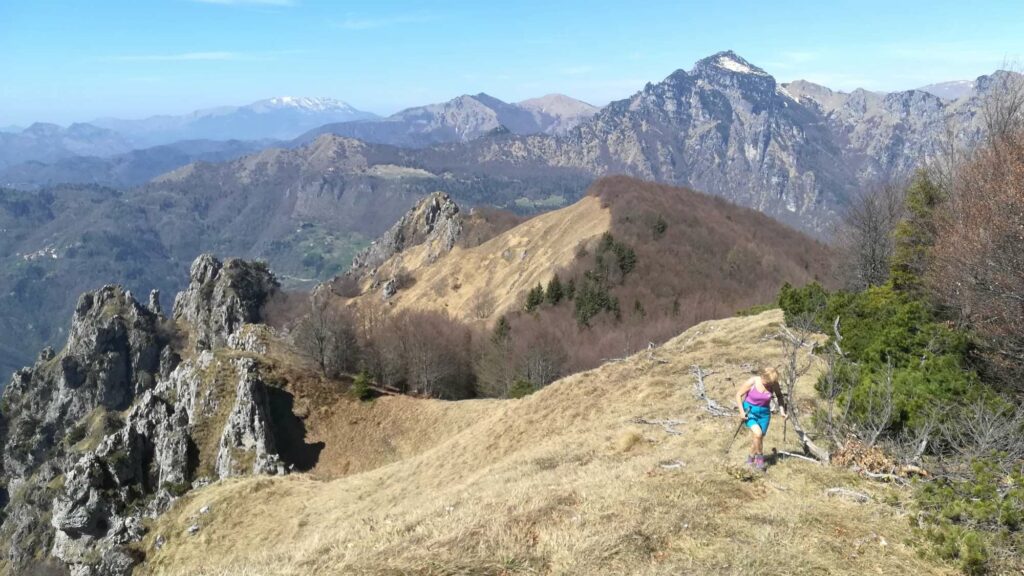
column 221, row 297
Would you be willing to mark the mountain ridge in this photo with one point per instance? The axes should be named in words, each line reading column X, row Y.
column 462, row 119
column 276, row 118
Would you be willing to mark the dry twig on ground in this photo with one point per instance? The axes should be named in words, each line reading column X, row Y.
column 700, row 392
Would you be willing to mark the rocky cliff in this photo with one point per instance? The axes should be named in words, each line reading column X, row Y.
column 435, row 223
column 127, row 418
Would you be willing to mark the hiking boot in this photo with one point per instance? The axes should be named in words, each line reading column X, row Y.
column 750, row 460
column 759, row 464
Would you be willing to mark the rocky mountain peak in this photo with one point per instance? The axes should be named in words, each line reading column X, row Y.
column 728, row 61
column 221, row 297
column 998, row 80
column 434, row 221
column 729, row 72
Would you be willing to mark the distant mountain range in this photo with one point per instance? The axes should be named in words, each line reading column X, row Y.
column 281, row 118
column 124, row 153
column 126, row 169
column 42, row 142
column 463, row 119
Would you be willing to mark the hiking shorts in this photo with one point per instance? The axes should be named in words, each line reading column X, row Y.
column 759, row 416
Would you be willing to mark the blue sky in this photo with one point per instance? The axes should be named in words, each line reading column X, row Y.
column 73, row 60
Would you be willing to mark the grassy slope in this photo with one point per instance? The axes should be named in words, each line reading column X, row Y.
column 559, row 482
column 504, row 267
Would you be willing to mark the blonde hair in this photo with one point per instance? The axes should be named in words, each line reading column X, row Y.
column 769, row 375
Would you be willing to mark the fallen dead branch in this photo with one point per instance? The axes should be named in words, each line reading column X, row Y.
column 667, row 425
column 800, row 456
column 885, row 476
column 847, row 494
column 793, row 369
column 700, row 392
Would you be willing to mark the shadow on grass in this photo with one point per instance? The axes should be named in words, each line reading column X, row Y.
column 290, row 432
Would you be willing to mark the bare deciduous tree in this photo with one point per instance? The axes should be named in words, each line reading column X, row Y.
column 796, row 363
column 312, row 335
column 1003, row 108
column 982, row 431
column 326, row 335
column 978, row 262
column 866, row 236
column 541, row 356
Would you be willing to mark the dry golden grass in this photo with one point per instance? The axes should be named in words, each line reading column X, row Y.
column 504, row 268
column 560, row 482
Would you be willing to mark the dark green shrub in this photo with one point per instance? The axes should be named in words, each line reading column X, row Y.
column 755, row 310
column 534, row 298
column 659, row 227
column 801, row 305
column 76, row 434
column 882, row 326
column 555, row 292
column 360, row 389
column 177, row 489
column 592, row 298
column 975, row 522
column 521, row 388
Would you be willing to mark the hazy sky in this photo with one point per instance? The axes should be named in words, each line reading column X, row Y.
column 71, row 60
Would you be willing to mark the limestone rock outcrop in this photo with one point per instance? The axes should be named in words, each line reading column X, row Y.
column 221, row 296
column 114, row 427
column 435, row 220
column 434, row 223
column 247, row 444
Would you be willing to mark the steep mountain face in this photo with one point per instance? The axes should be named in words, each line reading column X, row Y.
column 725, row 127
column 886, row 136
column 49, row 143
column 796, row 152
column 280, row 118
column 127, row 169
column 433, row 225
column 463, row 119
column 115, row 427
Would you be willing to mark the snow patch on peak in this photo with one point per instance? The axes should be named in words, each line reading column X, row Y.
column 730, row 63
column 301, row 103
column 782, row 90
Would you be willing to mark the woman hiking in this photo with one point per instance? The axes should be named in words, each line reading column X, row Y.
column 755, row 399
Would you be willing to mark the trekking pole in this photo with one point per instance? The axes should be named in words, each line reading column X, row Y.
column 785, row 426
column 746, row 414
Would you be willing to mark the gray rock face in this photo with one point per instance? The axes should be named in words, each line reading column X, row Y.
column 83, row 477
column 221, row 297
column 434, row 219
column 434, row 222
column 247, row 444
column 112, row 357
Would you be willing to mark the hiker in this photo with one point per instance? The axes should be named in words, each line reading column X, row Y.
column 754, row 399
